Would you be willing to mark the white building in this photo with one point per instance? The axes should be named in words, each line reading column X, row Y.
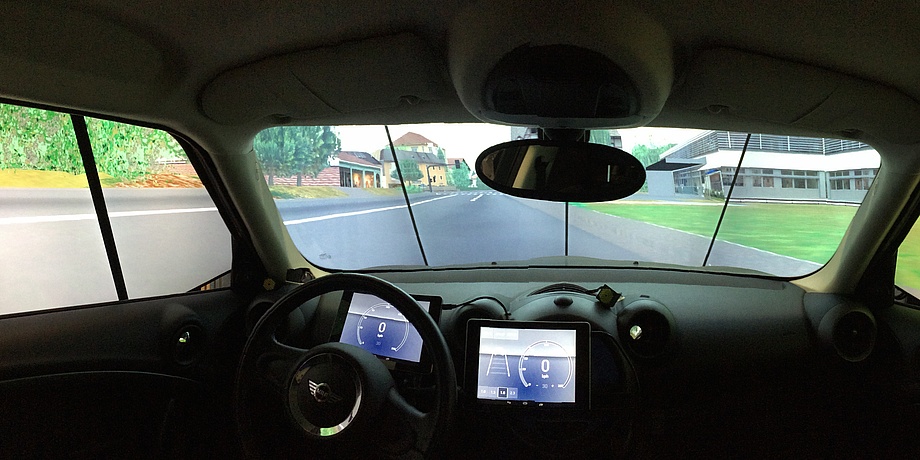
column 824, row 169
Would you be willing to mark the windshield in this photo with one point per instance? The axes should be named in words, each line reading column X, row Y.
column 342, row 194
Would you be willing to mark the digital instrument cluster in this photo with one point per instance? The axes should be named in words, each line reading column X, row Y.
column 380, row 328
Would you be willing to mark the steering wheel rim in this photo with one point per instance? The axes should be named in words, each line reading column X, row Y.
column 377, row 397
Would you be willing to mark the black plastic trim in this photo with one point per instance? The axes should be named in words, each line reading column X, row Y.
column 102, row 214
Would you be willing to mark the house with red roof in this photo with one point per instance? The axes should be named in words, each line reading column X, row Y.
column 348, row 169
column 423, row 151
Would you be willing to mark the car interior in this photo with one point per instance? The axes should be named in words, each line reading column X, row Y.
column 279, row 350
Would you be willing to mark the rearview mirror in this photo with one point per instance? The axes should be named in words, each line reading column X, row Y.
column 560, row 170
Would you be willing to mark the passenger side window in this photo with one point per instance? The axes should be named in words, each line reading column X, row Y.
column 907, row 273
column 167, row 233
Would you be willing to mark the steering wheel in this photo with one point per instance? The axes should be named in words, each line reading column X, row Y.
column 336, row 400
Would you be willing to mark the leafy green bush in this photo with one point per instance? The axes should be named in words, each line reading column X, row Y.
column 35, row 139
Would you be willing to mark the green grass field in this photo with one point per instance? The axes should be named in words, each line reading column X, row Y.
column 908, row 271
column 804, row 231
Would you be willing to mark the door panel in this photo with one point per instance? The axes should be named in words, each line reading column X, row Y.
column 114, row 380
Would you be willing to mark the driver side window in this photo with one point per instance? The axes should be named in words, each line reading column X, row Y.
column 164, row 236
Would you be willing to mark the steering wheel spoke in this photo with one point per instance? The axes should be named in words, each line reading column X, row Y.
column 276, row 362
column 407, row 427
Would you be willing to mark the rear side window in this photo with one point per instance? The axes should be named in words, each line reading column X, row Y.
column 907, row 273
column 166, row 234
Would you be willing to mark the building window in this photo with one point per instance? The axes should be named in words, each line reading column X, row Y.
column 800, row 183
column 727, row 180
column 852, row 179
column 762, row 181
column 799, row 179
column 840, row 184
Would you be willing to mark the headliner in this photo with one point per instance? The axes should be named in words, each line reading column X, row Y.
column 151, row 60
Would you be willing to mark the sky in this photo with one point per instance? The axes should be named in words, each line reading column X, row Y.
column 469, row 140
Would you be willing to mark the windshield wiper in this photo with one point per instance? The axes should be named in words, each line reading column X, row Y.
column 728, row 198
column 402, row 185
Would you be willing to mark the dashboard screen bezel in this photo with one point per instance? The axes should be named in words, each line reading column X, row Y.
column 582, row 365
column 424, row 363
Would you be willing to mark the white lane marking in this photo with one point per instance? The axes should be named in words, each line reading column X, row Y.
column 76, row 217
column 477, row 197
column 358, row 213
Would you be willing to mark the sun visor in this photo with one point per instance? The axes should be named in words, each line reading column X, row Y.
column 746, row 86
column 44, row 58
column 328, row 81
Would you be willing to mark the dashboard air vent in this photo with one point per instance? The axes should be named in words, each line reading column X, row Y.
column 646, row 327
column 850, row 329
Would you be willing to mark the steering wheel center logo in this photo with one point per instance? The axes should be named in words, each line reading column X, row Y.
column 322, row 392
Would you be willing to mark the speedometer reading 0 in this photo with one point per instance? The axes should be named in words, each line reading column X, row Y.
column 382, row 329
column 546, row 365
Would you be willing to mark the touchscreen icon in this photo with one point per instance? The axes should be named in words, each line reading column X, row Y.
column 498, row 364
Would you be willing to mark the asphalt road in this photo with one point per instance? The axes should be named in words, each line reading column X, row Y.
column 455, row 228
column 52, row 252
column 173, row 240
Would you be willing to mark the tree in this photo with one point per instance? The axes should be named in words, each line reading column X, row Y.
column 300, row 150
column 410, row 171
column 315, row 145
column 43, row 140
column 275, row 150
column 38, row 140
column 649, row 155
column 459, row 177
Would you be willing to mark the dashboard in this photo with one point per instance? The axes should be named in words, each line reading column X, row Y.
column 675, row 351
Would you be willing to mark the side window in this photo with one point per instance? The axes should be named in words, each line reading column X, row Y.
column 907, row 273
column 168, row 235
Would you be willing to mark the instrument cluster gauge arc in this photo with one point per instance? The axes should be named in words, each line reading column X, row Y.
column 382, row 326
column 376, row 326
column 546, row 364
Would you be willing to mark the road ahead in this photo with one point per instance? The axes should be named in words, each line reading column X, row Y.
column 455, row 228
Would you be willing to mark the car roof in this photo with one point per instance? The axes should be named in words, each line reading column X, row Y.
column 158, row 61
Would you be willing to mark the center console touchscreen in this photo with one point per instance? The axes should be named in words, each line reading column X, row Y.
column 528, row 364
